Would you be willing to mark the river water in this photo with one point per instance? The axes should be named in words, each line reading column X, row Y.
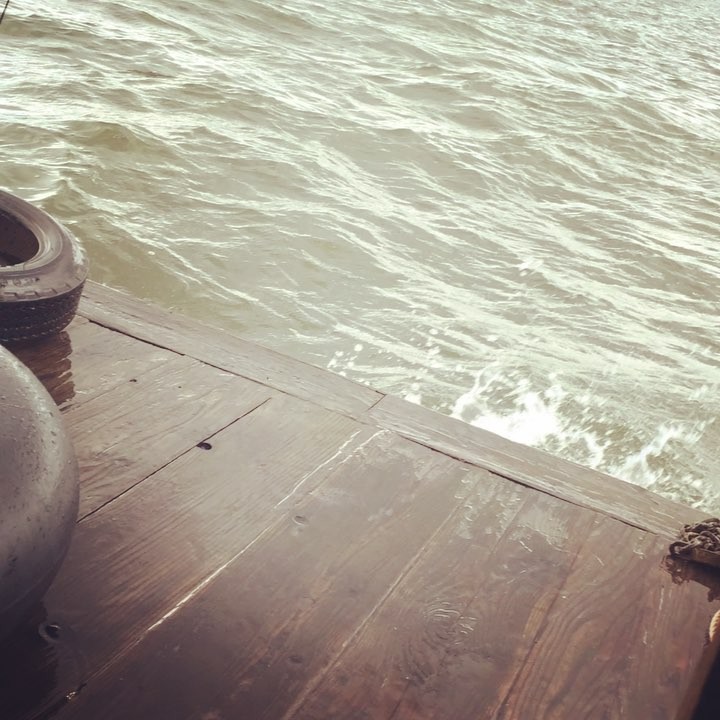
column 507, row 211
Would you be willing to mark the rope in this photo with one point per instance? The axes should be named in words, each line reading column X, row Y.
column 714, row 626
column 704, row 535
column 2, row 15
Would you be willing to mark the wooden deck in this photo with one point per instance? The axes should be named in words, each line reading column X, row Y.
column 261, row 539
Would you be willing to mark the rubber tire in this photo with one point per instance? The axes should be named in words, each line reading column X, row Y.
column 40, row 292
column 38, row 491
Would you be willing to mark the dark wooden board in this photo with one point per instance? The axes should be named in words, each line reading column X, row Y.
column 137, row 558
column 248, row 644
column 311, row 563
column 133, row 430
column 86, row 360
column 629, row 503
column 121, row 312
column 620, row 639
column 703, row 699
column 449, row 640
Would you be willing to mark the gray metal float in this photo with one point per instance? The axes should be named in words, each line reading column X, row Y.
column 38, row 491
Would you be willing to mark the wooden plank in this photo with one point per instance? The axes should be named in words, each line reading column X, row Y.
column 50, row 360
column 260, row 577
column 119, row 311
column 125, row 434
column 702, row 702
column 622, row 640
column 618, row 499
column 32, row 653
column 87, row 360
column 448, row 641
column 248, row 643
column 135, row 559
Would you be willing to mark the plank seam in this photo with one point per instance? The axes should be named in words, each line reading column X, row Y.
column 129, row 647
column 312, row 684
column 490, row 553
column 377, row 402
column 521, row 665
column 374, row 421
column 99, row 310
column 529, row 484
column 126, row 334
column 236, row 373
column 273, row 524
column 170, row 462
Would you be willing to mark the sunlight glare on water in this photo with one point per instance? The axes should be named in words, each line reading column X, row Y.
column 506, row 211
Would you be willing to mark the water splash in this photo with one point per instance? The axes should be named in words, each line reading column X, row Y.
column 589, row 430
column 476, row 170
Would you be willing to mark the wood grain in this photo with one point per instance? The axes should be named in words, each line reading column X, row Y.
column 248, row 643
column 620, row 639
column 127, row 433
column 86, row 360
column 579, row 485
column 702, row 701
column 450, row 638
column 246, row 553
column 135, row 559
column 121, row 312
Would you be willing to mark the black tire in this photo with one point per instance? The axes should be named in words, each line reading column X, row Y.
column 42, row 272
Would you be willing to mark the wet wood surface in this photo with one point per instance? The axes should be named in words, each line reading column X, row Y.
column 630, row 503
column 261, row 539
column 203, row 342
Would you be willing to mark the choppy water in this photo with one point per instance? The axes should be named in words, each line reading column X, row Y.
column 507, row 211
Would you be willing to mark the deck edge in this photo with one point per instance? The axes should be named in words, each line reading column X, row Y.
column 535, row 468
column 531, row 467
column 119, row 311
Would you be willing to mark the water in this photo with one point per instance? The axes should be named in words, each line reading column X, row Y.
column 506, row 211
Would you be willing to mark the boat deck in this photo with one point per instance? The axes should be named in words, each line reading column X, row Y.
column 262, row 539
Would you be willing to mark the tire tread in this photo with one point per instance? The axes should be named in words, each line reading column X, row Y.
column 39, row 318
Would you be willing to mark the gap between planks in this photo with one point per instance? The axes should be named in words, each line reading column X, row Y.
column 136, row 319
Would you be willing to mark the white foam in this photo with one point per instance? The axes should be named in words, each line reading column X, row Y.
column 638, row 468
column 525, row 415
column 582, row 429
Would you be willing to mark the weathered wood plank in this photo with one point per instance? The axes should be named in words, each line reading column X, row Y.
column 264, row 576
column 248, row 644
column 50, row 360
column 448, row 641
column 127, row 433
column 702, row 701
column 620, row 639
column 629, row 503
column 86, row 360
column 135, row 559
column 119, row 311
column 32, row 666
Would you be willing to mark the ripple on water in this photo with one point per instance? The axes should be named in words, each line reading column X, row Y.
column 510, row 208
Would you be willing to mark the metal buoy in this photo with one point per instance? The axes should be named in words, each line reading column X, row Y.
column 38, row 491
